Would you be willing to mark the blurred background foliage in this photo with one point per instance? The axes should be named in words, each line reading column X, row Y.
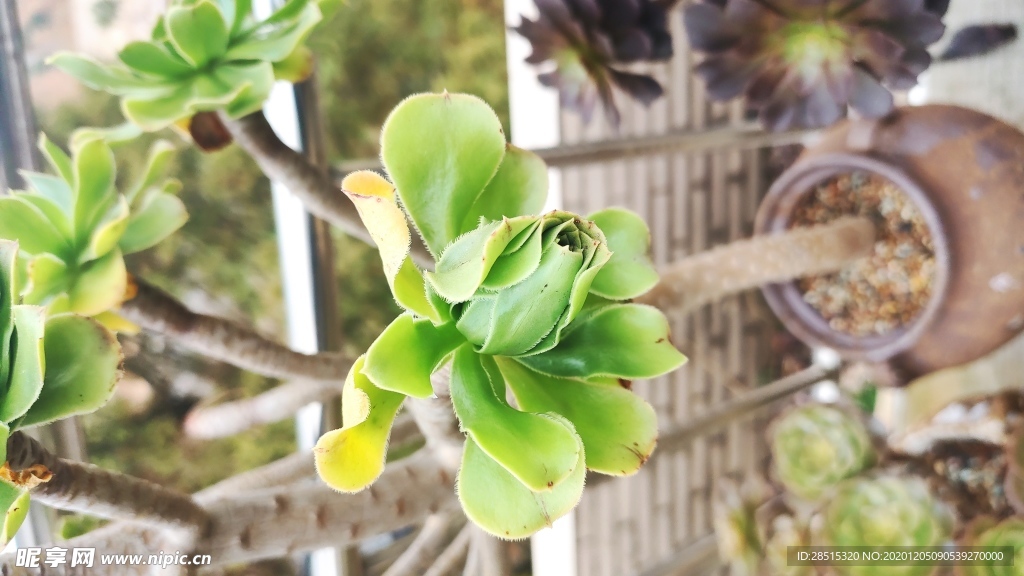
column 370, row 55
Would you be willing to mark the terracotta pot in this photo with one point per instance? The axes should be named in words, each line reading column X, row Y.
column 965, row 172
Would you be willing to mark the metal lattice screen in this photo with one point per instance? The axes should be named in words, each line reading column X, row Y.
column 692, row 202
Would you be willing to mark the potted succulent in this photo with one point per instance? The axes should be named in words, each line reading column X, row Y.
column 903, row 281
column 838, row 481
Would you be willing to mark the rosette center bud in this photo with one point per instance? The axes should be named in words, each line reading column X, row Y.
column 514, row 285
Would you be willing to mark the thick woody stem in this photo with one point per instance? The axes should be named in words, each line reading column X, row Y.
column 119, row 538
column 424, row 547
column 453, row 555
column 310, row 184
column 490, row 554
column 714, row 274
column 90, row 489
column 227, row 341
column 276, row 404
column 280, row 521
column 292, row 468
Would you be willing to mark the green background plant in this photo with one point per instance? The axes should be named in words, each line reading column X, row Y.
column 203, row 56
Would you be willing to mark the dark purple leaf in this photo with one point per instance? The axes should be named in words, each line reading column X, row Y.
column 640, row 87
column 977, row 40
column 706, row 28
column 868, row 96
column 725, row 76
column 633, row 46
column 937, row 7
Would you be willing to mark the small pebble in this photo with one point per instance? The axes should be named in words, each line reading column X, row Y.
column 887, row 289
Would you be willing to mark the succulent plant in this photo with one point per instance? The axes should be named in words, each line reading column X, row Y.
column 740, row 538
column 786, row 531
column 74, row 227
column 203, row 56
column 886, row 510
column 50, row 368
column 816, row 446
column 801, row 63
column 522, row 303
column 989, row 533
column 1013, row 482
column 587, row 39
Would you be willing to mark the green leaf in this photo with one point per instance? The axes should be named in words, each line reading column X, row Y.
column 109, row 79
column 374, row 198
column 441, row 150
column 121, row 133
column 100, row 285
column 351, row 458
column 94, row 190
column 47, row 277
column 516, row 327
column 107, row 232
column 160, row 153
column 619, row 429
column 500, row 504
column 16, row 514
column 242, row 10
column 291, row 10
column 408, row 351
column 8, row 298
column 57, row 158
column 198, row 32
column 55, row 214
column 154, row 59
column 296, row 67
column 630, row 272
column 152, row 114
column 256, row 80
column 160, row 217
column 628, row 341
column 538, row 449
column 275, row 40
column 465, row 264
column 82, row 368
column 5, row 433
column 519, row 188
column 23, row 222
column 26, row 378
column 56, row 190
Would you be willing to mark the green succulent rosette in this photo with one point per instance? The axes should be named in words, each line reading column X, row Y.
column 529, row 305
column 816, row 446
column 203, row 56
column 988, row 532
column 886, row 510
column 74, row 227
column 51, row 367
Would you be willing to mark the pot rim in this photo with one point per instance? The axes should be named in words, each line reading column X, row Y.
column 786, row 300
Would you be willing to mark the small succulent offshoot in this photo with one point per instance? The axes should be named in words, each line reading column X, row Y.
column 74, row 227
column 203, row 56
column 51, row 367
column 535, row 305
column 987, row 532
column 801, row 63
column 886, row 510
column 816, row 446
column 740, row 538
column 587, row 42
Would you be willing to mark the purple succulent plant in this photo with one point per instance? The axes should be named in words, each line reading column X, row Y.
column 587, row 40
column 802, row 63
